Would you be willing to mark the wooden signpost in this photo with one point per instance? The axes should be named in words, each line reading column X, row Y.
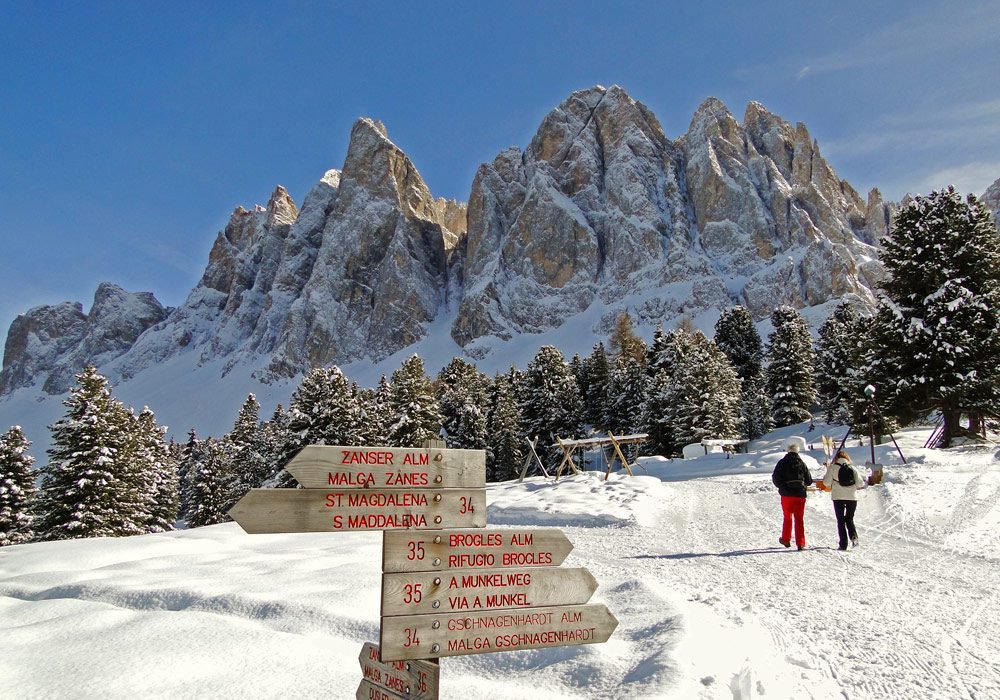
column 447, row 589
column 417, row 680
column 326, row 466
column 471, row 589
column 332, row 510
column 455, row 634
column 473, row 549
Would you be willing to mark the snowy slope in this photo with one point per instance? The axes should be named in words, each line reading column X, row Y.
column 710, row 606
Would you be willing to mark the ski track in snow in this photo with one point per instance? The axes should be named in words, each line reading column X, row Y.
column 905, row 609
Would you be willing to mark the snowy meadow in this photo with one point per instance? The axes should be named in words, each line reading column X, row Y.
column 685, row 553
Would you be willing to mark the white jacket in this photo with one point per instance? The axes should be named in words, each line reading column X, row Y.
column 843, row 493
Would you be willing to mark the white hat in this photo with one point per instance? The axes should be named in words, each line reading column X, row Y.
column 793, row 447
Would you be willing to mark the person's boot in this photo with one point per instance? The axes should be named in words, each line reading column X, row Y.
column 784, row 543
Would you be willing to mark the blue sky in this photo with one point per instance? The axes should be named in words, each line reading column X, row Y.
column 129, row 131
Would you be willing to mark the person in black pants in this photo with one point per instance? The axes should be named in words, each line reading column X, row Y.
column 843, row 480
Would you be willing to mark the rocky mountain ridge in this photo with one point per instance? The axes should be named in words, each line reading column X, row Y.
column 600, row 213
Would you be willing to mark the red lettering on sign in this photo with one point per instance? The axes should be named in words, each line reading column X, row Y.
column 418, row 459
column 471, row 561
column 404, row 479
column 478, row 539
column 497, row 580
column 368, row 457
column 349, row 479
column 333, row 499
column 527, row 558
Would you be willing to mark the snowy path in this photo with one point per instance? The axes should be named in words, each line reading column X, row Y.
column 898, row 617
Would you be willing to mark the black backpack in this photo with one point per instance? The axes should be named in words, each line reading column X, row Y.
column 845, row 475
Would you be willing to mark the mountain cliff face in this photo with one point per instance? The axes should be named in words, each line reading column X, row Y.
column 991, row 197
column 52, row 343
column 600, row 213
column 602, row 207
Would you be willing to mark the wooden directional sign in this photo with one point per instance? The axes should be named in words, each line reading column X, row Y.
column 332, row 466
column 370, row 691
column 473, row 549
column 455, row 634
column 492, row 589
column 416, row 680
column 330, row 510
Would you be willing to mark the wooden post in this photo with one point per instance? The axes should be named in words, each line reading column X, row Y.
column 618, row 452
column 567, row 457
column 527, row 459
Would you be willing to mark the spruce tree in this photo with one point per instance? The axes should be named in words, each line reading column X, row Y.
column 210, row 484
column 17, row 488
column 790, row 368
column 156, row 469
column 463, row 396
column 380, row 414
column 595, row 399
column 840, row 359
column 703, row 394
column 250, row 467
column 937, row 327
column 628, row 386
column 737, row 337
column 191, row 457
column 323, row 411
column 413, row 414
column 667, row 352
column 550, row 403
column 88, row 487
column 505, row 448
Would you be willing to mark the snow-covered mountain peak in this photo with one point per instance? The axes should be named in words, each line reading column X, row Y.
column 600, row 213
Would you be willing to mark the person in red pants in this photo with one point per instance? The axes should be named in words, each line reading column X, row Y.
column 791, row 476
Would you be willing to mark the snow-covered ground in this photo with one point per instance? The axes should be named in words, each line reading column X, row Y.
column 686, row 554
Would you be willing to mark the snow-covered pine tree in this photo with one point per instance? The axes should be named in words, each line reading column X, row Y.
column 595, row 399
column 657, row 350
column 379, row 416
column 250, row 466
column 937, row 327
column 413, row 412
column 628, row 387
column 628, row 396
column 17, row 488
column 550, row 403
column 190, row 455
column 463, row 394
column 666, row 354
column 86, row 486
column 273, row 437
column 210, row 483
column 152, row 457
column 703, row 394
column 322, row 411
column 505, row 451
column 737, row 337
column 790, row 368
column 840, row 359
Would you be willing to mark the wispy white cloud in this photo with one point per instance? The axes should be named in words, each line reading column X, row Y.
column 955, row 126
column 939, row 30
column 972, row 177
